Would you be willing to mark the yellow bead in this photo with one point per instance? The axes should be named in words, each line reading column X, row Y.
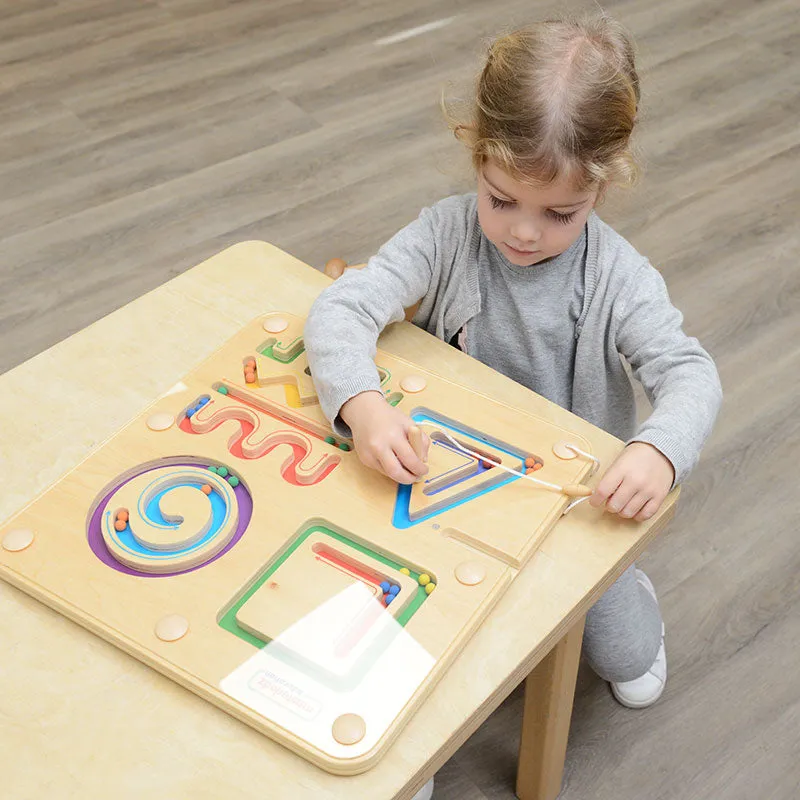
column 430, row 587
column 424, row 579
column 405, row 570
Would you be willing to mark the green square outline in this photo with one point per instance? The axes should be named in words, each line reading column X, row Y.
column 228, row 620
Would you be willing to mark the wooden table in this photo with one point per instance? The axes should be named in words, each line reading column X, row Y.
column 79, row 718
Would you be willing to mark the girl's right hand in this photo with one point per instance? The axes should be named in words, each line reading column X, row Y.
column 380, row 437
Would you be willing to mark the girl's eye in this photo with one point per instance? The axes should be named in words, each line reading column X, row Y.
column 498, row 203
column 564, row 219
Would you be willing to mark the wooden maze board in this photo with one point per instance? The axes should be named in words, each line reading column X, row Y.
column 228, row 539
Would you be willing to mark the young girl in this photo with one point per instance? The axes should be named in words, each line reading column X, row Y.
column 524, row 276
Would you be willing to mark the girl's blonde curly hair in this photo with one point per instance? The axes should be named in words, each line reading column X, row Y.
column 557, row 99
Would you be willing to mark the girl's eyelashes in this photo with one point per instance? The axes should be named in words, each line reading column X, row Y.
column 498, row 203
column 564, row 219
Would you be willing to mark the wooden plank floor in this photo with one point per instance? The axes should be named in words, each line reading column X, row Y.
column 138, row 138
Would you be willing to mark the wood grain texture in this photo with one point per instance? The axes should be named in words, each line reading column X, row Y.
column 138, row 138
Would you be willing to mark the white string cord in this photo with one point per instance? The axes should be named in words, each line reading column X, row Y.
column 595, row 461
column 572, row 505
column 488, row 460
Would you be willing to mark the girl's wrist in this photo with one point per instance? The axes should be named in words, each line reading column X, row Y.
column 356, row 403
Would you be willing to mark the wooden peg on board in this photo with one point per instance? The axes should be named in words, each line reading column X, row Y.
column 576, row 490
column 417, row 444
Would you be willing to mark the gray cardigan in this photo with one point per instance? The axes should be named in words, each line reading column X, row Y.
column 626, row 316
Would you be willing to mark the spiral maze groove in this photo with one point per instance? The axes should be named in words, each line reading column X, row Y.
column 164, row 519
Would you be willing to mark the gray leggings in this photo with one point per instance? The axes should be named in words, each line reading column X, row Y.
column 623, row 630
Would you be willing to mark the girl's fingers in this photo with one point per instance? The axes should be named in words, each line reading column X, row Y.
column 609, row 483
column 650, row 508
column 409, row 459
column 634, row 505
column 621, row 497
column 390, row 466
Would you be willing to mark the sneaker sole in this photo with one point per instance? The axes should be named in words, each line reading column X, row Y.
column 630, row 704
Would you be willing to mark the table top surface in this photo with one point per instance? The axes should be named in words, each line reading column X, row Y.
column 84, row 717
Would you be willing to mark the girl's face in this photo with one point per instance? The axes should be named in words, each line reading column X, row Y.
column 530, row 224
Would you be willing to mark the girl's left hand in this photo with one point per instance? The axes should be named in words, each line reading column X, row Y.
column 636, row 484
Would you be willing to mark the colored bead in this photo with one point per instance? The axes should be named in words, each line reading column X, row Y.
column 529, row 462
column 222, row 389
column 429, row 588
column 120, row 524
column 486, row 464
column 203, row 401
column 250, row 363
column 233, row 480
column 222, row 471
column 405, row 570
column 394, row 589
column 385, row 586
column 206, row 489
column 213, row 469
column 388, row 598
column 190, row 411
column 344, row 446
column 424, row 579
column 330, row 440
column 123, row 515
column 250, row 377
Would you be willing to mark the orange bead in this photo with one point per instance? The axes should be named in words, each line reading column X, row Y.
column 529, row 462
column 206, row 489
column 123, row 515
column 250, row 377
column 120, row 524
column 250, row 364
column 537, row 465
column 487, row 464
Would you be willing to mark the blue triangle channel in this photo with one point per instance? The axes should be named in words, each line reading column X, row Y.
column 401, row 519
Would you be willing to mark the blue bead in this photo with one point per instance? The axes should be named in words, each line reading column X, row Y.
column 388, row 599
column 385, row 586
column 394, row 589
column 191, row 411
column 203, row 401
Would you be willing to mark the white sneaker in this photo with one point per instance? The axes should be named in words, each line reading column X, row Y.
column 644, row 691
column 425, row 793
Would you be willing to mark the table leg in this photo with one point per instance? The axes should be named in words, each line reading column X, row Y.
column 549, row 692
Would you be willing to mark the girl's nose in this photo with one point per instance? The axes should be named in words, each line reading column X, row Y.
column 526, row 231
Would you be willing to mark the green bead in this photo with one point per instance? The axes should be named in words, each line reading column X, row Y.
column 222, row 471
column 344, row 446
column 213, row 469
column 330, row 440
column 233, row 480
column 222, row 389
